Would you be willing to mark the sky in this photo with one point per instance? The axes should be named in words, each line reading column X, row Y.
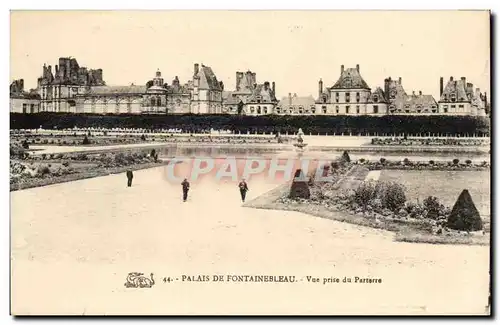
column 292, row 48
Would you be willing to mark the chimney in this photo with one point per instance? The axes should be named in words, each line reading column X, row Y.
column 420, row 92
column 451, row 78
column 266, row 85
column 413, row 93
column 400, row 80
column 68, row 69
column 342, row 68
column 440, row 86
column 196, row 68
column 357, row 67
column 274, row 87
column 320, row 88
column 289, row 98
column 57, row 70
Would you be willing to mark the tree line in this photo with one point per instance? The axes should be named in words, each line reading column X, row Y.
column 355, row 125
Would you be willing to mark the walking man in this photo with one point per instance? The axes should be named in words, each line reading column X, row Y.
column 130, row 176
column 185, row 189
column 243, row 189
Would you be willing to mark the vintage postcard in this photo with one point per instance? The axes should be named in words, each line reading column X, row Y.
column 250, row 162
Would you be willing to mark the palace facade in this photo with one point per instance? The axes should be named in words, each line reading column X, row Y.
column 459, row 97
column 249, row 97
column 22, row 101
column 73, row 88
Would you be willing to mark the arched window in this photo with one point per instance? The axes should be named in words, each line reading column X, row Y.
column 153, row 101
column 158, row 101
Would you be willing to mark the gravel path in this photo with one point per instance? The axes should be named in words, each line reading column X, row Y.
column 74, row 243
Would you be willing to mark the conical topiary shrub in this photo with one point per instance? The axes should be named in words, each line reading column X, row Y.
column 299, row 188
column 345, row 157
column 464, row 215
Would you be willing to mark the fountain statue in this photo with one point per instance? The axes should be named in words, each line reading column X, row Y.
column 300, row 141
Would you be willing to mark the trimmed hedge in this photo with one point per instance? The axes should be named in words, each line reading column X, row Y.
column 357, row 125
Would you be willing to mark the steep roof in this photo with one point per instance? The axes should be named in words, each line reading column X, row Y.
column 208, row 80
column 350, row 79
column 325, row 95
column 456, row 87
column 417, row 102
column 265, row 92
column 115, row 90
column 231, row 97
column 304, row 101
column 379, row 94
column 396, row 95
column 477, row 99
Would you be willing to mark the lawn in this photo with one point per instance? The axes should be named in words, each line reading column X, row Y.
column 445, row 185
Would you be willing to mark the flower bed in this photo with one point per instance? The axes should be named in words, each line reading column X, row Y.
column 68, row 167
column 380, row 205
column 428, row 142
column 407, row 164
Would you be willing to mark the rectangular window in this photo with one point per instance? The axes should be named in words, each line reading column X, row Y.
column 337, row 109
column 324, row 109
column 461, row 106
column 446, row 109
column 453, row 106
column 375, row 109
column 347, row 109
column 24, row 108
column 357, row 109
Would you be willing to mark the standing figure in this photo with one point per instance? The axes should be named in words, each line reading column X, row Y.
column 243, row 189
column 130, row 176
column 185, row 189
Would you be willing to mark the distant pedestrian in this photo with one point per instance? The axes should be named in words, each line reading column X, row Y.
column 243, row 189
column 130, row 176
column 185, row 189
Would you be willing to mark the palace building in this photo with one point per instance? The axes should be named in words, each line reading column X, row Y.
column 249, row 97
column 350, row 95
column 296, row 105
column 72, row 88
column 22, row 101
column 459, row 97
column 75, row 89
